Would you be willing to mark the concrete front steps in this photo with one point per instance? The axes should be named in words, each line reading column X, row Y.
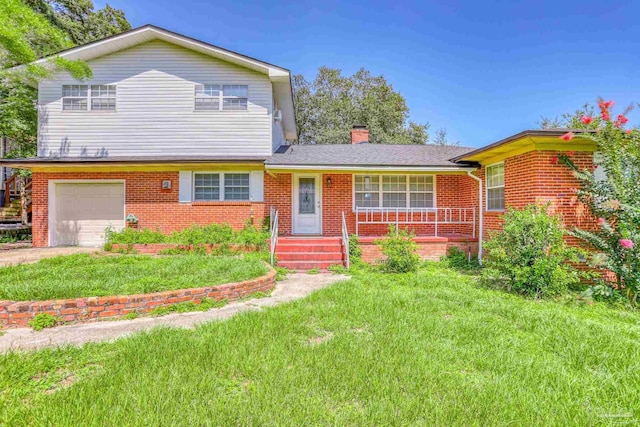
column 307, row 253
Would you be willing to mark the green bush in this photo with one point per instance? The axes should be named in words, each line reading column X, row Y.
column 457, row 258
column 43, row 320
column 529, row 256
column 400, row 251
column 355, row 251
column 252, row 237
column 198, row 236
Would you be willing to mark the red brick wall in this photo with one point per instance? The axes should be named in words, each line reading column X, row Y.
column 451, row 191
column 154, row 207
column 536, row 177
column 19, row 313
column 277, row 193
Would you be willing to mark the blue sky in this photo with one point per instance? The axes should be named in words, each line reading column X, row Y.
column 482, row 69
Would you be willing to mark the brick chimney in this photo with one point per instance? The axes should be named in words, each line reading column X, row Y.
column 359, row 134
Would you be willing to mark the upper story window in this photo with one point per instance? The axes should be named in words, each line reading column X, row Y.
column 76, row 97
column 220, row 186
column 394, row 191
column 103, row 97
column 495, row 187
column 235, row 97
column 207, row 97
column 210, row 97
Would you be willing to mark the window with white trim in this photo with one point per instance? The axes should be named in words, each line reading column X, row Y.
column 236, row 186
column 74, row 97
column 77, row 97
column 235, row 97
column 213, row 97
column 394, row 191
column 367, row 189
column 495, row 187
column 221, row 186
column 103, row 97
column 207, row 97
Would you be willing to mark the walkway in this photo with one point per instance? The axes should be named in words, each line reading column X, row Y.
column 12, row 256
column 295, row 286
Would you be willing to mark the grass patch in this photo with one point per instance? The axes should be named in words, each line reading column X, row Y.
column 188, row 306
column 427, row 348
column 85, row 275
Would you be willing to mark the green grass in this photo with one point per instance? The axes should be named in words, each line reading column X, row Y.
column 420, row 349
column 85, row 275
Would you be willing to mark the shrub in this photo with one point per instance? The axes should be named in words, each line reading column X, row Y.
column 194, row 238
column 400, row 251
column 43, row 320
column 130, row 236
column 252, row 237
column 614, row 200
column 529, row 256
column 355, row 251
column 456, row 258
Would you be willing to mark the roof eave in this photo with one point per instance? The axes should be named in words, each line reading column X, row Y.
column 524, row 134
column 408, row 168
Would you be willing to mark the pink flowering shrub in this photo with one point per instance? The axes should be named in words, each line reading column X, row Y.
column 614, row 200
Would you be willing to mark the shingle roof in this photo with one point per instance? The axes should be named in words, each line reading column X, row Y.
column 366, row 154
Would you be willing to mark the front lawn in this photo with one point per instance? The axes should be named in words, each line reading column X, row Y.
column 85, row 275
column 420, row 349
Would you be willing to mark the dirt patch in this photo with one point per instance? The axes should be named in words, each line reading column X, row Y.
column 321, row 338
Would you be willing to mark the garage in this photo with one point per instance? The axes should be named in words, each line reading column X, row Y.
column 81, row 212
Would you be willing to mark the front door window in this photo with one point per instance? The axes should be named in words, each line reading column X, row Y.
column 307, row 196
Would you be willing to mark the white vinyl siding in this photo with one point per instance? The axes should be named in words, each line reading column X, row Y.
column 394, row 191
column 495, row 187
column 155, row 108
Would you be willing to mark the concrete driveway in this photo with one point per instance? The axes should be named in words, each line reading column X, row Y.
column 29, row 255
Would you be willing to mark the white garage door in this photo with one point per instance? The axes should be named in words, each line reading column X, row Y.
column 82, row 212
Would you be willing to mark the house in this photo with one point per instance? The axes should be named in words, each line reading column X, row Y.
column 173, row 131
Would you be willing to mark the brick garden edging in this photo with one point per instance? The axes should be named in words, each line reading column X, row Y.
column 18, row 313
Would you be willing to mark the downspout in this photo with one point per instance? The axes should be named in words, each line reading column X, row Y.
column 480, row 219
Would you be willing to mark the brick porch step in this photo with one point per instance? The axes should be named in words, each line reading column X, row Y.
column 310, row 256
column 306, row 253
column 308, row 265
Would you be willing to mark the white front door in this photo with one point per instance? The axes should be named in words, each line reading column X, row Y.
column 307, row 204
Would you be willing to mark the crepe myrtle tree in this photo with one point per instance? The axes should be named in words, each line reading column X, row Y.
column 612, row 197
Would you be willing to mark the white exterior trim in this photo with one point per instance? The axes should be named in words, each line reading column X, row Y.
column 486, row 181
column 52, row 199
column 370, row 168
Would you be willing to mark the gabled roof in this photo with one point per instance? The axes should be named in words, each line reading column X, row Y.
column 365, row 155
column 524, row 141
column 279, row 76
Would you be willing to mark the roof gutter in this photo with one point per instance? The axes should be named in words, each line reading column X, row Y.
column 370, row 167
